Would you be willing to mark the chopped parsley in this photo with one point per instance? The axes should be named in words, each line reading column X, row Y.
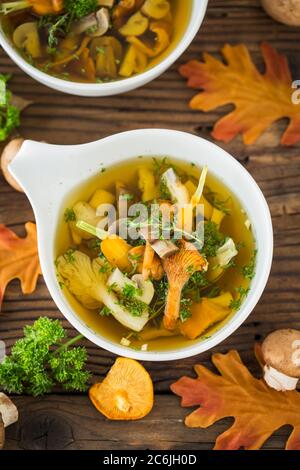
column 213, row 239
column 69, row 256
column 249, row 269
column 185, row 309
column 105, row 312
column 134, row 306
column 69, row 215
column 220, row 204
column 129, row 291
column 193, row 287
column 242, row 294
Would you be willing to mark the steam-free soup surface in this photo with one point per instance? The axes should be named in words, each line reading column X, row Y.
column 215, row 287
column 95, row 40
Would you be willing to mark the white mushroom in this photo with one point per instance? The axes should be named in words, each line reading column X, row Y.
column 26, row 36
column 281, row 353
column 8, row 154
column 164, row 248
column 8, row 415
column 226, row 253
column 177, row 190
column 144, row 289
column 95, row 24
column 284, row 11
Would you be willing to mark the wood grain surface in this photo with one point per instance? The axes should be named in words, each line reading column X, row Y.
column 69, row 421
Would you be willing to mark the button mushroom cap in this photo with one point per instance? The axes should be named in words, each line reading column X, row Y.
column 26, row 36
column 8, row 410
column 2, row 433
column 281, row 353
column 95, row 24
column 284, row 11
column 8, row 154
column 8, row 415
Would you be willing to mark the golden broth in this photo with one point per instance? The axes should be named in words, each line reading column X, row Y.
column 180, row 11
column 233, row 225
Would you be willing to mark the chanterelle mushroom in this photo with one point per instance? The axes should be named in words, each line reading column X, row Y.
column 281, row 353
column 284, row 11
column 8, row 415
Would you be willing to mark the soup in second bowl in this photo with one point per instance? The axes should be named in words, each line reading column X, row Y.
column 158, row 259
column 94, row 40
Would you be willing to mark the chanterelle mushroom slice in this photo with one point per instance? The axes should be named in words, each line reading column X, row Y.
column 281, row 353
column 179, row 268
column 8, row 415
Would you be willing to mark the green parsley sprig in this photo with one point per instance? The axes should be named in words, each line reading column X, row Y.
column 9, row 114
column 42, row 359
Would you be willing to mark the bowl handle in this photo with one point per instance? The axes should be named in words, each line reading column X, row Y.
column 41, row 170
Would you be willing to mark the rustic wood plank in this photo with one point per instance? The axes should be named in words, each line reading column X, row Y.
column 69, row 421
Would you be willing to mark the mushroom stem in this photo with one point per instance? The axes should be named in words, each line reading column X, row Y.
column 279, row 381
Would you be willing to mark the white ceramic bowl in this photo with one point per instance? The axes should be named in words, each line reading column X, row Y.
column 49, row 172
column 120, row 86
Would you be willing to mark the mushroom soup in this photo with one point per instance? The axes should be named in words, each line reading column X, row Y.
column 157, row 260
column 95, row 41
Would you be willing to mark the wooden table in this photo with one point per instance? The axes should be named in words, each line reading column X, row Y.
column 64, row 421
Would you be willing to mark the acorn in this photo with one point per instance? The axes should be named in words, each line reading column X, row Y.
column 281, row 354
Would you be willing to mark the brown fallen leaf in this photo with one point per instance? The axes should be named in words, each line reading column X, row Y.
column 259, row 99
column 257, row 409
column 19, row 259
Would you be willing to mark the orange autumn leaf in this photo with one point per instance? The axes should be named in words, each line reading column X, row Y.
column 258, row 410
column 259, row 99
column 19, row 259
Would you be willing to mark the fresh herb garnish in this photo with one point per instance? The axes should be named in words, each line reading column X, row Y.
column 249, row 269
column 193, row 287
column 69, row 256
column 105, row 312
column 80, row 8
column 55, row 27
column 213, row 239
column 220, row 204
column 41, row 359
column 9, row 114
column 127, row 197
column 185, row 309
column 134, row 306
column 69, row 215
column 129, row 291
column 242, row 294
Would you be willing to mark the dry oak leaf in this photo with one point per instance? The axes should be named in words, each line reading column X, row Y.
column 19, row 259
column 259, row 99
column 258, row 410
